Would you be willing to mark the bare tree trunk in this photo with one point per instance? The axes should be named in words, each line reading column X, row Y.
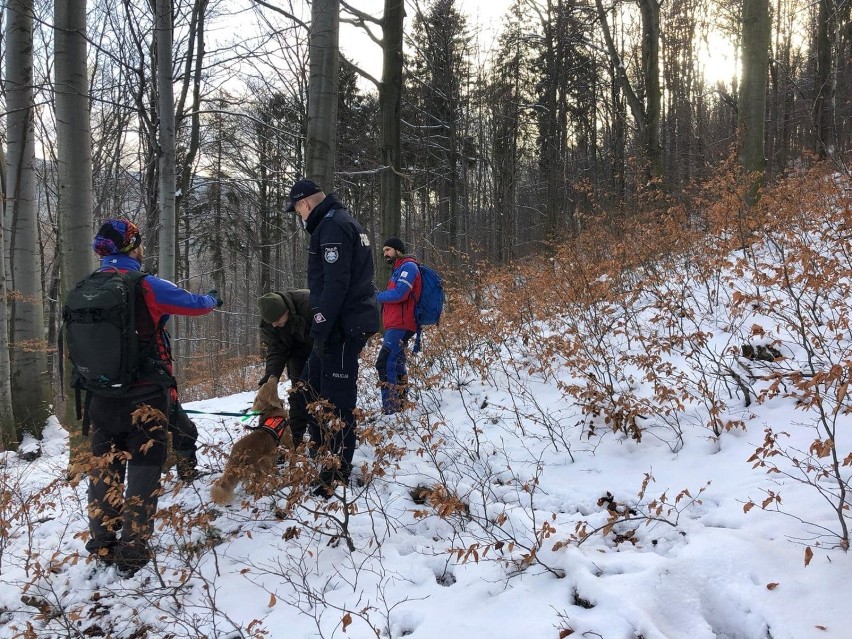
column 321, row 150
column 74, row 144
column 650, row 10
column 646, row 113
column 390, row 98
column 166, row 140
column 30, row 379
column 196, row 40
column 167, row 160
column 823, row 104
column 8, row 436
column 752, row 102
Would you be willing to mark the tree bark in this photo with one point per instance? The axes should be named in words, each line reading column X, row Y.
column 650, row 11
column 74, row 145
column 30, row 381
column 8, row 436
column 321, row 150
column 646, row 113
column 752, row 102
column 193, row 69
column 390, row 98
column 166, row 140
column 823, row 105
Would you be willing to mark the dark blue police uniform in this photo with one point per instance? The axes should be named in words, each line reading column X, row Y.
column 344, row 316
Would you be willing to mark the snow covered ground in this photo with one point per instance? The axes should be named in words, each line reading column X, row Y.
column 540, row 529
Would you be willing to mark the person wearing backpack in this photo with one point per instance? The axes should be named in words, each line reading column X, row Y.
column 285, row 330
column 398, row 302
column 344, row 315
column 128, row 420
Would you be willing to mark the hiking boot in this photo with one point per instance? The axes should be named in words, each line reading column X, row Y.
column 321, row 490
column 103, row 555
column 185, row 463
column 130, row 558
column 188, row 475
column 326, row 484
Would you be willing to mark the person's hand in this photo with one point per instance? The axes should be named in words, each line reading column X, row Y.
column 215, row 295
column 319, row 348
column 263, row 380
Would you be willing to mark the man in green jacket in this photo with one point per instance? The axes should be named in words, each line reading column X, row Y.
column 285, row 329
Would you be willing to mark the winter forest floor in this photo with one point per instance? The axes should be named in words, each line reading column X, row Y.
column 645, row 436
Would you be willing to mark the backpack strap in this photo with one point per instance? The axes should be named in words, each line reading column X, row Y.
column 88, row 402
column 60, row 362
column 152, row 370
column 416, row 347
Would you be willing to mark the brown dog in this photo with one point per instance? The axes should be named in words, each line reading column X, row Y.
column 252, row 459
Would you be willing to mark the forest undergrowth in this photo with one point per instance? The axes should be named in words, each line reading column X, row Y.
column 667, row 325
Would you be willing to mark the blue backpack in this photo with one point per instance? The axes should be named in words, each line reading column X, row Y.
column 430, row 305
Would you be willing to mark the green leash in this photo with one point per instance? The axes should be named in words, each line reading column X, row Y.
column 244, row 416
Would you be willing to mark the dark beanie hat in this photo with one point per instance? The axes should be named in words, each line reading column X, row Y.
column 395, row 243
column 272, row 307
column 116, row 236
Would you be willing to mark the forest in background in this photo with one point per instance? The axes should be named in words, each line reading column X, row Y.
column 582, row 113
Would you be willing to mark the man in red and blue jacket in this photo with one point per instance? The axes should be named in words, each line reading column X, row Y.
column 398, row 304
column 122, row 445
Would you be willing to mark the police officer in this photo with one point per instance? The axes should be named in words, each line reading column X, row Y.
column 344, row 316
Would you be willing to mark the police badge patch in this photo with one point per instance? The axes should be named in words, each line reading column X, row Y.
column 331, row 254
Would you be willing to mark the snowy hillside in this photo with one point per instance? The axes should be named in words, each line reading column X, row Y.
column 592, row 464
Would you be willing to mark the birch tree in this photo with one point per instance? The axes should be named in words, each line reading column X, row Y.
column 30, row 382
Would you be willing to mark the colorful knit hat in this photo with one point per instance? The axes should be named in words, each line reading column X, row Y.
column 116, row 236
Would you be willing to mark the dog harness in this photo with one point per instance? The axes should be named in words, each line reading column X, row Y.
column 275, row 426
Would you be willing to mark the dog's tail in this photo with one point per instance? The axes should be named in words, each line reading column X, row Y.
column 222, row 492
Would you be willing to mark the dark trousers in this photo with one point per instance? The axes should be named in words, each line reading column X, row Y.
column 135, row 452
column 390, row 365
column 183, row 429
column 298, row 414
column 332, row 378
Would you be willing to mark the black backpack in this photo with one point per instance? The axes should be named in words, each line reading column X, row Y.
column 100, row 331
column 99, row 320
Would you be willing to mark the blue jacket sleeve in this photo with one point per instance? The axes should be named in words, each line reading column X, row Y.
column 403, row 283
column 173, row 300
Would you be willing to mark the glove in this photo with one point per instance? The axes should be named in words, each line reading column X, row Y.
column 263, row 380
column 319, row 348
column 215, row 294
